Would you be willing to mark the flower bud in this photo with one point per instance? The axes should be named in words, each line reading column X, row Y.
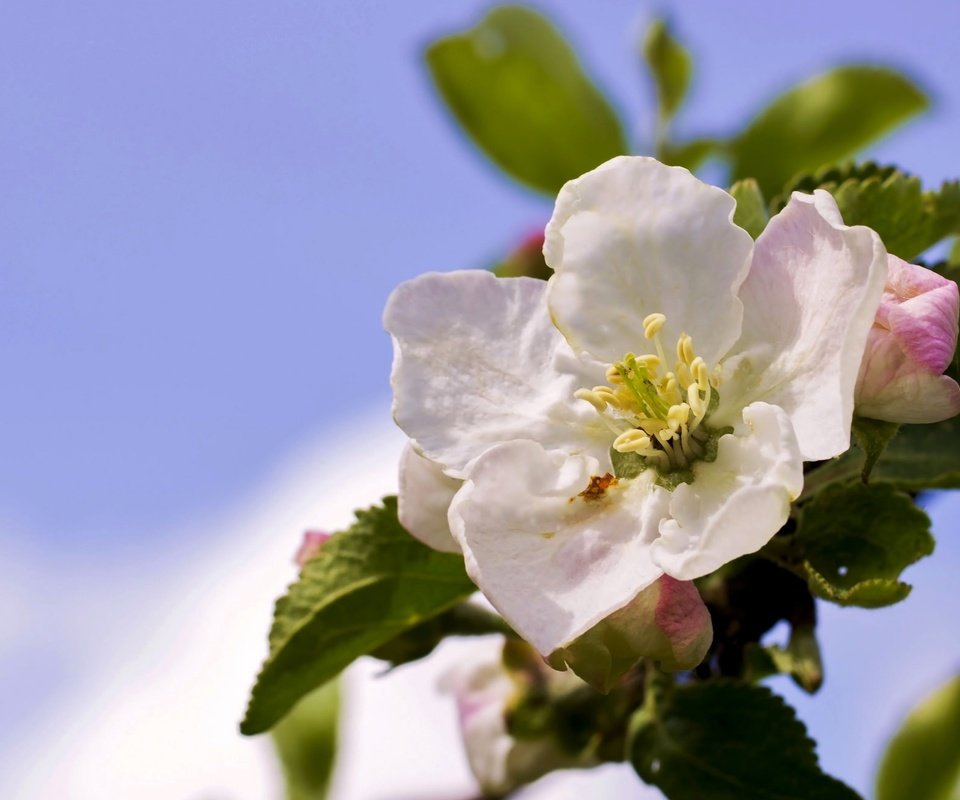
column 666, row 622
column 527, row 259
column 487, row 691
column 312, row 542
column 912, row 342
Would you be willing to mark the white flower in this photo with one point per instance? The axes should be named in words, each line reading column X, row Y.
column 589, row 467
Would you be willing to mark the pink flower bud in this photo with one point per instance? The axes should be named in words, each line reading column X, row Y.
column 911, row 343
column 526, row 259
column 667, row 622
column 312, row 542
column 485, row 691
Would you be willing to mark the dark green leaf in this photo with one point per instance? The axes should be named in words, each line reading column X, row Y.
column 922, row 761
column 893, row 203
column 728, row 741
column 919, row 457
column 306, row 741
column 464, row 619
column 516, row 87
column 856, row 540
column 366, row 585
column 822, row 121
column 670, row 65
column 751, row 213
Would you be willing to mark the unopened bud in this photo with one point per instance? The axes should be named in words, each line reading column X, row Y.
column 912, row 342
column 313, row 541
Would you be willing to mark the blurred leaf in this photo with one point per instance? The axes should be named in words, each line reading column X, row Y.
column 953, row 260
column 918, row 457
column 800, row 659
column 306, row 742
column 751, row 213
column 893, row 203
column 822, row 121
column 688, row 154
column 464, row 619
column 366, row 585
column 728, row 741
column 516, row 87
column 671, row 66
column 922, row 761
column 857, row 539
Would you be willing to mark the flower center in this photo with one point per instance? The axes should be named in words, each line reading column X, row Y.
column 658, row 415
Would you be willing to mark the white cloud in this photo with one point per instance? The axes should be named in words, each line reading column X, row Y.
column 148, row 657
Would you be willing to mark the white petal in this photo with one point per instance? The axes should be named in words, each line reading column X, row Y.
column 423, row 500
column 635, row 237
column 551, row 561
column 736, row 503
column 809, row 302
column 478, row 362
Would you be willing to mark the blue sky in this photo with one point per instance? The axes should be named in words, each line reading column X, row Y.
column 203, row 207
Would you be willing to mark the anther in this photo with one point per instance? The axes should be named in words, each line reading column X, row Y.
column 632, row 441
column 592, row 398
column 685, row 349
column 652, row 323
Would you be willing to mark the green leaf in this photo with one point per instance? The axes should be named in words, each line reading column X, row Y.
column 366, row 585
column 800, row 659
column 306, row 742
column 728, row 741
column 464, row 619
column 872, row 436
column 516, row 87
column 953, row 260
column 919, row 457
column 822, row 121
column 922, row 761
column 857, row 539
column 751, row 213
column 893, row 203
column 671, row 67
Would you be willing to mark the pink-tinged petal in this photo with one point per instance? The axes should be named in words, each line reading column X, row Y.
column 635, row 237
column 478, row 362
column 809, row 303
column 423, row 500
column 921, row 312
column 555, row 544
column 312, row 543
column 736, row 503
column 912, row 341
column 684, row 620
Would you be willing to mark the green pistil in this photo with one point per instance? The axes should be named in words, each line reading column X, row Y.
column 637, row 379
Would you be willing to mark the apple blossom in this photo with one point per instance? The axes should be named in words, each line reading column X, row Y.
column 588, row 471
column 911, row 343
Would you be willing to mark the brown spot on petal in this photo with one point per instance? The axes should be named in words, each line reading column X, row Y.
column 598, row 486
